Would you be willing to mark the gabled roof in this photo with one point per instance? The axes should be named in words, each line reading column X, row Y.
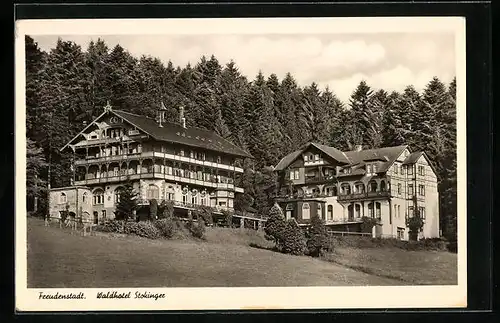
column 330, row 151
column 384, row 157
column 413, row 157
column 175, row 133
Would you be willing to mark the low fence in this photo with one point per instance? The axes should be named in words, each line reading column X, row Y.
column 76, row 224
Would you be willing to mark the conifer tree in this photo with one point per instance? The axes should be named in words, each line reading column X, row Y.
column 127, row 203
column 275, row 226
column 317, row 238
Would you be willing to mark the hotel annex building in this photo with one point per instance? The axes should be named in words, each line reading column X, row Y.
column 387, row 184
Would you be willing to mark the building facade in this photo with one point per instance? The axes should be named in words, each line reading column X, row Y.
column 191, row 167
column 386, row 184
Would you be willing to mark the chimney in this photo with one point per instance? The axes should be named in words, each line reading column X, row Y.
column 182, row 120
column 358, row 147
column 161, row 114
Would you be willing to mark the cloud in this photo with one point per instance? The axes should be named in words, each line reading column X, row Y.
column 389, row 61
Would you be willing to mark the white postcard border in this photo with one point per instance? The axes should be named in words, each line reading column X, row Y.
column 27, row 299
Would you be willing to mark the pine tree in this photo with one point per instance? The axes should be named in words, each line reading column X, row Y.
column 294, row 241
column 363, row 116
column 35, row 164
column 127, row 203
column 317, row 237
column 392, row 133
column 275, row 226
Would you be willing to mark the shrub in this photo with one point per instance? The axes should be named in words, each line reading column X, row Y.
column 275, row 226
column 166, row 227
column 204, row 214
column 153, row 209
column 228, row 218
column 166, row 210
column 113, row 226
column 367, row 224
column 294, row 241
column 198, row 230
column 317, row 237
column 144, row 229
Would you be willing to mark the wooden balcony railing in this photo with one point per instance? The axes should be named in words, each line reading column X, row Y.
column 360, row 196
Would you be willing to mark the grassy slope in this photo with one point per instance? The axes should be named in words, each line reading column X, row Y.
column 412, row 267
column 57, row 258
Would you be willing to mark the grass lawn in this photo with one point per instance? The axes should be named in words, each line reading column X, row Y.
column 410, row 267
column 57, row 258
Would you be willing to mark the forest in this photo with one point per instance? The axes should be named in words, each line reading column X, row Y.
column 267, row 116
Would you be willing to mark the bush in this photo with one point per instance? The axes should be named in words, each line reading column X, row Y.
column 368, row 224
column 228, row 218
column 113, row 226
column 153, row 209
column 317, row 237
column 204, row 214
column 165, row 209
column 198, row 230
column 144, row 229
column 275, row 226
column 166, row 227
column 430, row 244
column 294, row 241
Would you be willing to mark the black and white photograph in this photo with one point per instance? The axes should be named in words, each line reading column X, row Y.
column 207, row 164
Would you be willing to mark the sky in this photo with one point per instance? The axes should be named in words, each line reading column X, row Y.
column 390, row 61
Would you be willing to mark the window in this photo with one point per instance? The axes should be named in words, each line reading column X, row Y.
column 360, row 188
column 410, row 189
column 98, row 197
column 316, row 157
column 318, row 211
column 382, row 186
column 345, row 189
column 399, row 211
column 170, row 193
column 410, row 211
column 421, row 211
column 421, row 170
column 400, row 233
column 153, row 192
column 402, row 170
column 374, row 168
column 399, row 188
column 118, row 191
column 306, row 211
column 191, row 154
column 421, row 190
column 357, row 210
column 62, row 198
column 330, row 212
column 396, row 169
column 371, row 212
column 369, row 169
column 378, row 211
column 294, row 174
column 116, row 171
column 289, row 211
column 410, row 169
column 85, row 198
column 373, row 186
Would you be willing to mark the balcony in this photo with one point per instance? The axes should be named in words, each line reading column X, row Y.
column 149, row 154
column 158, row 175
column 319, row 179
column 363, row 196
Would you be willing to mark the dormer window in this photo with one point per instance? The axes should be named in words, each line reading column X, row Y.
column 316, row 157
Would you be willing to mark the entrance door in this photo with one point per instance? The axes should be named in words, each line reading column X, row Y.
column 96, row 217
column 350, row 213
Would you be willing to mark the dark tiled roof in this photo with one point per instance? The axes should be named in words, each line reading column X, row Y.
column 384, row 157
column 330, row 151
column 287, row 160
column 413, row 157
column 172, row 132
